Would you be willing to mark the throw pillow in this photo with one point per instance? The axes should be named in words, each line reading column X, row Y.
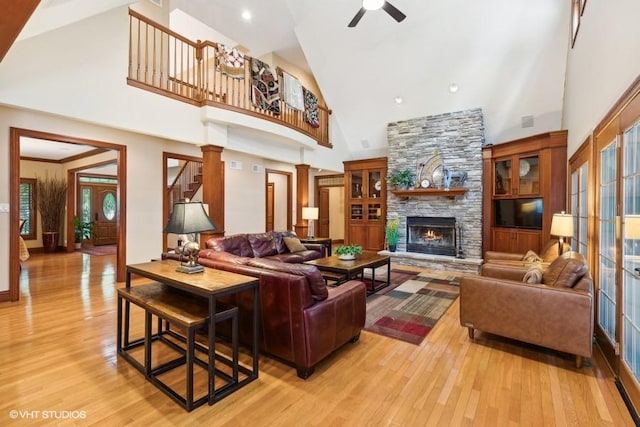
column 531, row 256
column 533, row 274
column 294, row 244
column 564, row 272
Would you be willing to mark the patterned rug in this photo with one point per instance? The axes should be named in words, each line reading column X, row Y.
column 410, row 310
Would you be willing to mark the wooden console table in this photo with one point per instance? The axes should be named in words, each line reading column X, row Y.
column 211, row 284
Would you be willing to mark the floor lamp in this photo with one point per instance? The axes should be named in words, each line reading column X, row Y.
column 561, row 226
column 310, row 214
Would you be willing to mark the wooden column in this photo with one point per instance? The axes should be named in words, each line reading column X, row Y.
column 213, row 188
column 302, row 198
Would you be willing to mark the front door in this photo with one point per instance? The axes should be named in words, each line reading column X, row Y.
column 104, row 214
column 97, row 202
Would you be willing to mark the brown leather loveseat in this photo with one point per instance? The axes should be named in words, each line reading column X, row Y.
column 301, row 320
column 556, row 312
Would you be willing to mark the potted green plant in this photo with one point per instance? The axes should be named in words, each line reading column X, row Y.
column 391, row 230
column 82, row 230
column 52, row 198
column 348, row 252
column 401, row 179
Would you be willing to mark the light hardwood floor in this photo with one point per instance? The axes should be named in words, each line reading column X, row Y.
column 57, row 353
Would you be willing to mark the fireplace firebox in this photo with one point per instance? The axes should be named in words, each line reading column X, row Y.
column 431, row 235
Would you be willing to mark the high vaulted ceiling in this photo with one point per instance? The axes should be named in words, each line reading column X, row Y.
column 507, row 57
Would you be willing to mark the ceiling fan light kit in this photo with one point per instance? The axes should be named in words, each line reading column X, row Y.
column 372, row 4
column 375, row 5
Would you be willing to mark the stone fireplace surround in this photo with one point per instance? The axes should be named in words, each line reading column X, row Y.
column 458, row 137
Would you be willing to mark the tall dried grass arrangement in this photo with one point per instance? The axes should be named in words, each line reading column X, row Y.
column 52, row 198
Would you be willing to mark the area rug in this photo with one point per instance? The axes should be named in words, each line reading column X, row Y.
column 409, row 311
column 100, row 250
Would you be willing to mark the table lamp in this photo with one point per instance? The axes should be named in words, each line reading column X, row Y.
column 632, row 231
column 189, row 218
column 562, row 226
column 310, row 214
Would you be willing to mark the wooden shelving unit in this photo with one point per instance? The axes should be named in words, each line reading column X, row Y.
column 431, row 192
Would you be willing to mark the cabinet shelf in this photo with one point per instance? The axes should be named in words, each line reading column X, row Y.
column 431, row 192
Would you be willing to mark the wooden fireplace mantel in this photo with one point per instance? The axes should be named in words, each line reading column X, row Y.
column 431, row 192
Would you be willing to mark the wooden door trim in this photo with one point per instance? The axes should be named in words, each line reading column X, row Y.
column 14, row 200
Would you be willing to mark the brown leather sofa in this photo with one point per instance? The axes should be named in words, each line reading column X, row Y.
column 557, row 313
column 547, row 255
column 301, row 320
column 269, row 245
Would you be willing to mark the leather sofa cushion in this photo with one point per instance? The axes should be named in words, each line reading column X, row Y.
column 564, row 272
column 317, row 285
column 237, row 244
column 262, row 244
column 224, row 256
column 278, row 237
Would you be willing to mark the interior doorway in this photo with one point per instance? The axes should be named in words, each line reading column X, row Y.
column 330, row 202
column 278, row 200
column 44, row 140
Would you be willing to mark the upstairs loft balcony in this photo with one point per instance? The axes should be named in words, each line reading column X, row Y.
column 209, row 74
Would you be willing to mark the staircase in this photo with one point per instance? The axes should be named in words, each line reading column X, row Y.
column 187, row 182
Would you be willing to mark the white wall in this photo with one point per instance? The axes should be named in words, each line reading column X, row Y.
column 601, row 66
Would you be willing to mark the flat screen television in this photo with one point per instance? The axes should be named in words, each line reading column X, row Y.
column 518, row 213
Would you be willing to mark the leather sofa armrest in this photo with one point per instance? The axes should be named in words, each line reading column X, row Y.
column 316, row 247
column 493, row 255
column 336, row 320
column 503, row 271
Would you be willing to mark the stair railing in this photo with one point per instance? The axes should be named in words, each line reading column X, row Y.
column 164, row 62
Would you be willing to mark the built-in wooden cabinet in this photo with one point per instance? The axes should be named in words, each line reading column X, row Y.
column 524, row 185
column 365, row 202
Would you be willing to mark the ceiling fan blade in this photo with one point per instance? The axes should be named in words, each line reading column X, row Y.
column 393, row 11
column 357, row 18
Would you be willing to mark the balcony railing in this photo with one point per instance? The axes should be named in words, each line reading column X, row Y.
column 166, row 63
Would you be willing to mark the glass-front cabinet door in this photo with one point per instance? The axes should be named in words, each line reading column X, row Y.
column 503, row 173
column 528, row 176
column 356, row 184
column 517, row 175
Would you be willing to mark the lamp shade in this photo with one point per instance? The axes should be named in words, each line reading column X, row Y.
column 187, row 218
column 310, row 213
column 562, row 225
column 632, row 227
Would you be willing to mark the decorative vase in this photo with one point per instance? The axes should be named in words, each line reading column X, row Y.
column 347, row 257
column 50, row 241
column 392, row 248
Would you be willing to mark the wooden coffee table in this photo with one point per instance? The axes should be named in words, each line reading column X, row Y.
column 330, row 266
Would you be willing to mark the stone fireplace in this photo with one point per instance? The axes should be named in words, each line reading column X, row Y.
column 458, row 138
column 431, row 235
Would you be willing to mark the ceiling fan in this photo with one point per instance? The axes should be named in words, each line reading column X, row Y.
column 375, row 5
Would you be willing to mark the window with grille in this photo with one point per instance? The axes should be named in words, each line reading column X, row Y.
column 28, row 208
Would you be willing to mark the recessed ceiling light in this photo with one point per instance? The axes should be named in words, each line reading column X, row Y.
column 398, row 99
column 453, row 88
column 246, row 15
column 372, row 4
